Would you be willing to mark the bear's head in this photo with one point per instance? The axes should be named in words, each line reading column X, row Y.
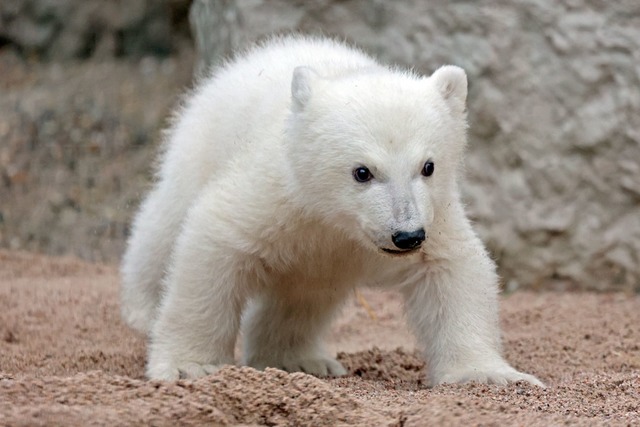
column 377, row 152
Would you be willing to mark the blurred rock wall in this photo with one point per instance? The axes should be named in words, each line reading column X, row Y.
column 77, row 143
column 64, row 29
column 553, row 178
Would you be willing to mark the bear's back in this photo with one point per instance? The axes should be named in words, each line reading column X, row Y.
column 277, row 57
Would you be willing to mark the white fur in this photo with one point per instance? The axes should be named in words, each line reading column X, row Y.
column 256, row 217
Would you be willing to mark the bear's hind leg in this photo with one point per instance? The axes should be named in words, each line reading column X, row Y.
column 285, row 332
column 148, row 250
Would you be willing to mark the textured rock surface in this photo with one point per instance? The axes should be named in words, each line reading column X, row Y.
column 554, row 162
column 77, row 143
column 79, row 28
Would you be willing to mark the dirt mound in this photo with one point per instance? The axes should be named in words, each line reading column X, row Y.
column 67, row 359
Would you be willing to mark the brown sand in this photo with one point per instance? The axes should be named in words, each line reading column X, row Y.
column 67, row 359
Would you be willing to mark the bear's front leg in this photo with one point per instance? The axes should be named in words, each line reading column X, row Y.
column 285, row 329
column 453, row 306
column 206, row 288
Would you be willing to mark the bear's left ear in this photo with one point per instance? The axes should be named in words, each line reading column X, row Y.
column 451, row 82
column 301, row 84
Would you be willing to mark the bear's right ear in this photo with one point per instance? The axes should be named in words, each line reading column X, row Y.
column 451, row 82
column 301, row 83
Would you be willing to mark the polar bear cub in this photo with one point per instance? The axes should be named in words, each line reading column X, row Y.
column 294, row 173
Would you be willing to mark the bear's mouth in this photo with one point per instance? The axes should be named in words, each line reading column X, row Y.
column 400, row 252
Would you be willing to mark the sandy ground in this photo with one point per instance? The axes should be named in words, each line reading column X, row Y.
column 67, row 359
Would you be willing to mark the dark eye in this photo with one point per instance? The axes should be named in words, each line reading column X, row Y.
column 428, row 169
column 362, row 174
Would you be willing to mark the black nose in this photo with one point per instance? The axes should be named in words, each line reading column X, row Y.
column 408, row 239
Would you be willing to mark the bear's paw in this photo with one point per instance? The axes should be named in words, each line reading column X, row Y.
column 185, row 370
column 501, row 375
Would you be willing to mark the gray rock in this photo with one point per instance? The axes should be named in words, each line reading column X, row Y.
column 65, row 29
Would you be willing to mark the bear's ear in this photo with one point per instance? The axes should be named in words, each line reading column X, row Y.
column 451, row 81
column 301, row 84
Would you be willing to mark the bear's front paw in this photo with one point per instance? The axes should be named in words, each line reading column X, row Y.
column 320, row 366
column 501, row 374
column 185, row 370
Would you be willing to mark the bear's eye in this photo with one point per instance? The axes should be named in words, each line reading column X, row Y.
column 428, row 169
column 362, row 174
